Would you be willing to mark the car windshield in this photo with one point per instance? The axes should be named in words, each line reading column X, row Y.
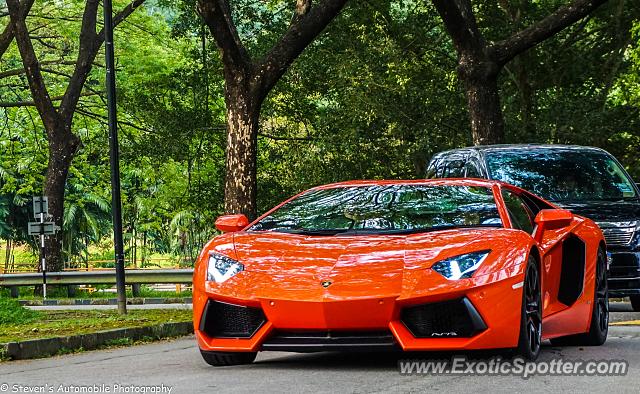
column 563, row 175
column 384, row 209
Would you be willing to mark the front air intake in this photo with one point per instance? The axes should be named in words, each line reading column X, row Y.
column 449, row 319
column 222, row 320
column 322, row 341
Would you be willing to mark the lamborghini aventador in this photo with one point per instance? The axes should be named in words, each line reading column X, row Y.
column 447, row 264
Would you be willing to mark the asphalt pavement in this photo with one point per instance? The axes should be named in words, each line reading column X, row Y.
column 177, row 365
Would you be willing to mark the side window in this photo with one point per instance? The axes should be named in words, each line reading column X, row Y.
column 472, row 170
column 519, row 213
column 534, row 206
column 431, row 170
column 454, row 169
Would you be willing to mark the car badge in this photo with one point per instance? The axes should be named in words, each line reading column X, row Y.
column 325, row 283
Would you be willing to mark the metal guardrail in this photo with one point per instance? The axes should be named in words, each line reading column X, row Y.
column 150, row 263
column 102, row 277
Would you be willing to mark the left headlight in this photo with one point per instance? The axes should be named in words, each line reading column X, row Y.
column 222, row 268
column 462, row 266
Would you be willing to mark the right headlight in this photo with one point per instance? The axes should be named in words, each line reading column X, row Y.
column 462, row 266
column 222, row 268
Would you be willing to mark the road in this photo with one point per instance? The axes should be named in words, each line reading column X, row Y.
column 177, row 364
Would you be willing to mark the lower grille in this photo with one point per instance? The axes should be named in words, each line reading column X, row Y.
column 318, row 341
column 449, row 319
column 221, row 320
column 618, row 234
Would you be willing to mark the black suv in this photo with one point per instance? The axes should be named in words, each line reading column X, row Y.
column 588, row 181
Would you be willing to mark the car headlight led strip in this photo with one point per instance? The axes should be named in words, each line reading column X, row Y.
column 462, row 266
column 222, row 268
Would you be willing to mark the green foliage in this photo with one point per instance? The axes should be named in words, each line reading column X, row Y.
column 67, row 323
column 11, row 312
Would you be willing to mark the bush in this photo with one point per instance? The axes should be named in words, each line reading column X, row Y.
column 11, row 312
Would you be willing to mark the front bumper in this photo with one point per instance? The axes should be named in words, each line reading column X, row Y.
column 624, row 273
column 493, row 306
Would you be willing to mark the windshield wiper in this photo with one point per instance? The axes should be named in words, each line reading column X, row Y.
column 320, row 232
column 328, row 232
column 416, row 230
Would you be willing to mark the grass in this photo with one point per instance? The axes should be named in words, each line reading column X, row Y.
column 11, row 312
column 51, row 324
column 26, row 293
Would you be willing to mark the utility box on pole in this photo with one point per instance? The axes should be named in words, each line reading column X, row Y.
column 42, row 229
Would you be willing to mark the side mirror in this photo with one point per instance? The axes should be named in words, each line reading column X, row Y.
column 231, row 223
column 549, row 219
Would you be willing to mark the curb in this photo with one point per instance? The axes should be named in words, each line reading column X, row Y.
column 106, row 301
column 39, row 348
column 624, row 331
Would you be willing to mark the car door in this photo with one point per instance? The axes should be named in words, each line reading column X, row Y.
column 563, row 265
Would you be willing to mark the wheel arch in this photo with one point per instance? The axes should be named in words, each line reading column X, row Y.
column 602, row 245
column 535, row 253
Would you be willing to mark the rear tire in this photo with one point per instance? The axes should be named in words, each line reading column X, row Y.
column 221, row 359
column 530, row 340
column 635, row 303
column 599, row 328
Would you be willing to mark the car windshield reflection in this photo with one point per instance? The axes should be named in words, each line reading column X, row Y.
column 384, row 209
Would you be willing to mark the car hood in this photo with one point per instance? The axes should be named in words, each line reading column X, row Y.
column 294, row 266
column 605, row 211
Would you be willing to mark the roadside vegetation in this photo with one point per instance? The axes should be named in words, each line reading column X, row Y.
column 12, row 313
column 97, row 292
column 28, row 324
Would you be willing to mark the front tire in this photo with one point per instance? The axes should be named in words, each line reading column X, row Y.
column 222, row 359
column 530, row 340
column 635, row 303
column 599, row 328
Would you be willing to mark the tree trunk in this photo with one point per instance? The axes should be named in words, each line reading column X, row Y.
column 61, row 153
column 480, row 80
column 241, row 153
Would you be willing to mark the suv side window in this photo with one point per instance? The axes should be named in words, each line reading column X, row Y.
column 454, row 168
column 472, row 170
column 519, row 213
column 432, row 169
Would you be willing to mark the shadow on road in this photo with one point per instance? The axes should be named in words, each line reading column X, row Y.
column 371, row 360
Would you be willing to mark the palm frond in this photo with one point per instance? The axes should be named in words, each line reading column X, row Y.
column 98, row 201
column 70, row 214
column 181, row 219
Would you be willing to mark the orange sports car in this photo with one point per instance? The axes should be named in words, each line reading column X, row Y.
column 445, row 264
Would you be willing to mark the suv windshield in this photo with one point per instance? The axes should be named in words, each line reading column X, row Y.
column 562, row 175
column 384, row 209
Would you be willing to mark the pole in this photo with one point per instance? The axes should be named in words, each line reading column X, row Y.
column 114, row 157
column 42, row 257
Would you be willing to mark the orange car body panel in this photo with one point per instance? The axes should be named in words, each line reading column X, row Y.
column 375, row 276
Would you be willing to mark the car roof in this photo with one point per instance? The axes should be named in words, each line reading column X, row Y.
column 520, row 147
